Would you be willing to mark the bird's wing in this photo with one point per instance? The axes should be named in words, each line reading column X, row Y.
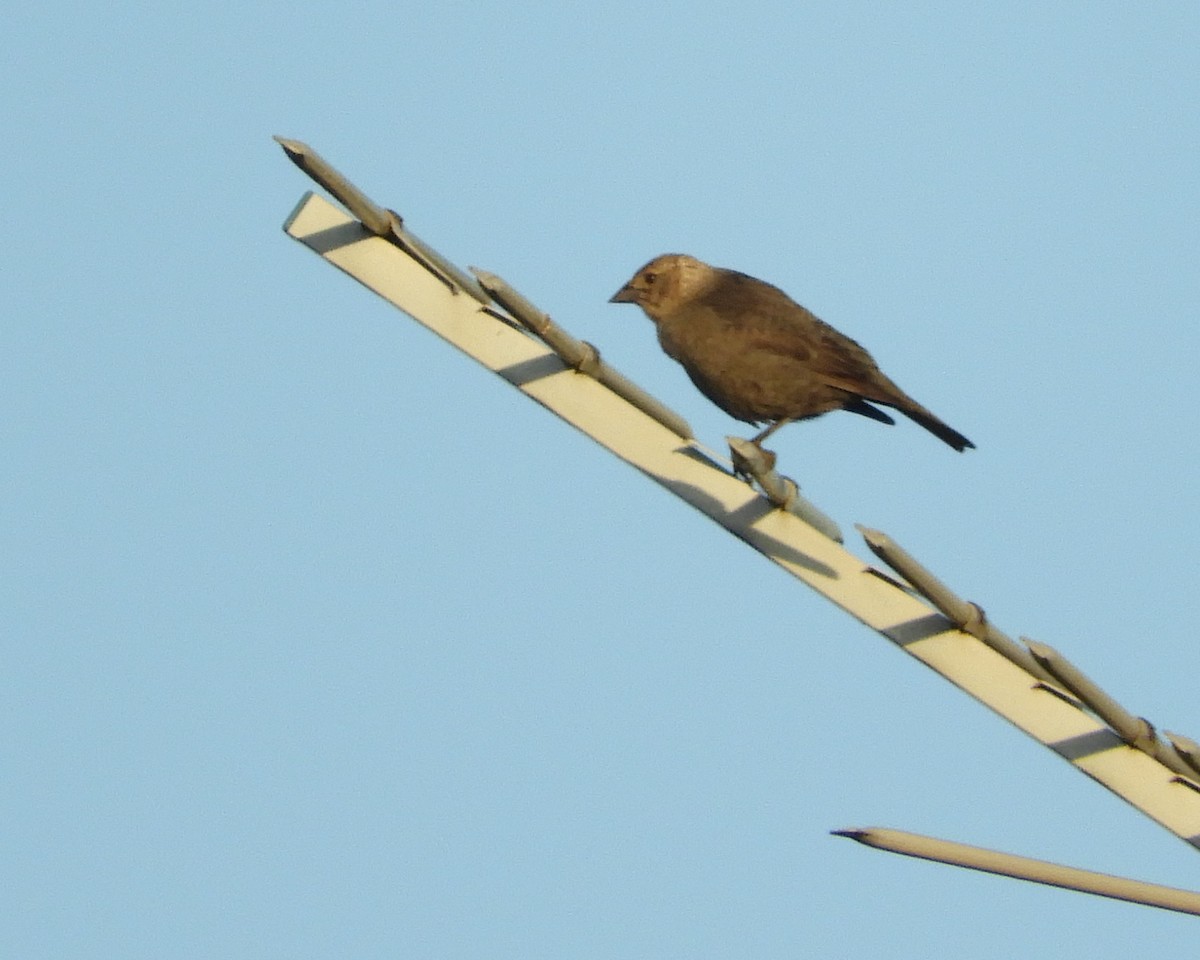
column 842, row 363
column 782, row 326
column 833, row 359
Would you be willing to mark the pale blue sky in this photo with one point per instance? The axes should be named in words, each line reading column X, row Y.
column 321, row 642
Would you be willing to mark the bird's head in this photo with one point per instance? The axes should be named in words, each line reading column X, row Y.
column 665, row 284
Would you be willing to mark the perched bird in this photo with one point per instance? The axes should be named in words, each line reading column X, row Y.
column 759, row 355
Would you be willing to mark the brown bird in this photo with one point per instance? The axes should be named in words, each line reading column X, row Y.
column 759, row 355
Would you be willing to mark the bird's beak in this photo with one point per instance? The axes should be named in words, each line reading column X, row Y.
column 625, row 295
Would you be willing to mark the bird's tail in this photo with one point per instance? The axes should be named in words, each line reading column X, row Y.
column 945, row 433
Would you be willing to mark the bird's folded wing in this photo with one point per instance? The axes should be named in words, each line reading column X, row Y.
column 828, row 356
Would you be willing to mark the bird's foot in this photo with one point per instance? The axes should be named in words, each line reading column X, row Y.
column 749, row 458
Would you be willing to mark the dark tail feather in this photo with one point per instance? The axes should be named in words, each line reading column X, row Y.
column 935, row 426
column 860, row 406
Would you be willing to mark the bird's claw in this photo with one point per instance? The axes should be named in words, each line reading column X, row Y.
column 749, row 458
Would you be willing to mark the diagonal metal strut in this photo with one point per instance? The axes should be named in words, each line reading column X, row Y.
column 1026, row 684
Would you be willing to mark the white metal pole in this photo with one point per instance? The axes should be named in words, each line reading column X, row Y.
column 1024, row 868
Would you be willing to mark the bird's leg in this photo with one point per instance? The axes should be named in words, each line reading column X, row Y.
column 762, row 435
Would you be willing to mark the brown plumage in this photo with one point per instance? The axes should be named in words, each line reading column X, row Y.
column 759, row 355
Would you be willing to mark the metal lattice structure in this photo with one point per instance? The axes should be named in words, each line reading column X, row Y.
column 1029, row 684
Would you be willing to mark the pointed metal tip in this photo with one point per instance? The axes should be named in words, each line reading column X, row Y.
column 876, row 538
column 1186, row 744
column 299, row 153
column 1041, row 651
column 486, row 279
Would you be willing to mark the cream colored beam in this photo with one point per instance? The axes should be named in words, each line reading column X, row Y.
column 705, row 481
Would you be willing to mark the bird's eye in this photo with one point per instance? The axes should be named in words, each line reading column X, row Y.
column 650, row 277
